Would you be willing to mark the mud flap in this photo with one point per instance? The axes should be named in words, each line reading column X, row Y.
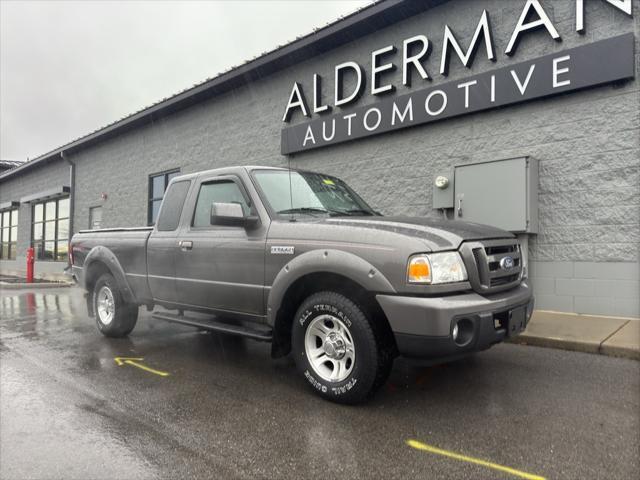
column 88, row 296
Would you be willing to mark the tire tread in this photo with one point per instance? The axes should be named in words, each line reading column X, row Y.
column 369, row 327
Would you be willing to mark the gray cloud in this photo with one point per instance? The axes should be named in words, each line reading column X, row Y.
column 68, row 68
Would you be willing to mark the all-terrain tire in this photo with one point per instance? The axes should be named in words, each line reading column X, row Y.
column 363, row 370
column 114, row 316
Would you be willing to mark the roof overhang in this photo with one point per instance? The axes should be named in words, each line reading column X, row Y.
column 8, row 205
column 47, row 194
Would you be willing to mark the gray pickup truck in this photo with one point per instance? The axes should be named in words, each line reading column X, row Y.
column 298, row 259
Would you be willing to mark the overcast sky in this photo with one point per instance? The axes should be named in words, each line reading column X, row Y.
column 68, row 68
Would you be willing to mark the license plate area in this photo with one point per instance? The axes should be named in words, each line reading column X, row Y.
column 517, row 321
column 513, row 321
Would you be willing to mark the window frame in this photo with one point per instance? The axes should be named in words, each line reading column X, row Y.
column 150, row 198
column 219, row 179
column 12, row 242
column 56, row 232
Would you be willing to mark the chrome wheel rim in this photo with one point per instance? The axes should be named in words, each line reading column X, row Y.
column 106, row 305
column 329, row 347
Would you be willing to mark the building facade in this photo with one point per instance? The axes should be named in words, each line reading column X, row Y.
column 390, row 98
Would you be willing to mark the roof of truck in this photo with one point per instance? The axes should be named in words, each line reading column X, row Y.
column 226, row 171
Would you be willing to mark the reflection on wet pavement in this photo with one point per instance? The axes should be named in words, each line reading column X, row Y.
column 35, row 312
column 228, row 411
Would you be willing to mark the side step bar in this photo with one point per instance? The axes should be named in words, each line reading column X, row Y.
column 255, row 332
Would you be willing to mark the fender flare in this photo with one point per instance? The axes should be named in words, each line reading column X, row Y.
column 338, row 262
column 107, row 257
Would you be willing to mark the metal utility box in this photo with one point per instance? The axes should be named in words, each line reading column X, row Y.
column 502, row 193
column 443, row 189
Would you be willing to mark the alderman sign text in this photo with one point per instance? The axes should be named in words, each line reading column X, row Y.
column 568, row 70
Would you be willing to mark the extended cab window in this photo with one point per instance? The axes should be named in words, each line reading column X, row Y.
column 172, row 206
column 225, row 191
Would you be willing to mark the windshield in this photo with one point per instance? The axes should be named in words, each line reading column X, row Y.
column 309, row 193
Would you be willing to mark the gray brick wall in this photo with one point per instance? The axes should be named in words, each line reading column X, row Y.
column 587, row 144
column 596, row 288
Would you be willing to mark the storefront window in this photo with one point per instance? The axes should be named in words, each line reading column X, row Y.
column 50, row 231
column 157, row 185
column 8, row 234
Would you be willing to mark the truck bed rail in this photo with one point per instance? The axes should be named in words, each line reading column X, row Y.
column 121, row 229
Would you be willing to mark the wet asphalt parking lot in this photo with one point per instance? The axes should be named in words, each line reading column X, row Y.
column 213, row 406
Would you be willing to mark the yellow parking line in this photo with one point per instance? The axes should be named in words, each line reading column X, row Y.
column 135, row 362
column 147, row 369
column 446, row 453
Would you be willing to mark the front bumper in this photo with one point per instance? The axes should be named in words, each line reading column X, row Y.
column 423, row 326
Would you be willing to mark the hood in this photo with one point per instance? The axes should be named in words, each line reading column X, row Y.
column 384, row 242
column 442, row 234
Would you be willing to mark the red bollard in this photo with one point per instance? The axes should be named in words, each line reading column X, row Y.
column 30, row 263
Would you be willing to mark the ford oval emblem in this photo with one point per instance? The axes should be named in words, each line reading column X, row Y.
column 506, row 263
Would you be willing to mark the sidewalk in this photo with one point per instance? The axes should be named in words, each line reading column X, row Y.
column 28, row 286
column 12, row 282
column 614, row 336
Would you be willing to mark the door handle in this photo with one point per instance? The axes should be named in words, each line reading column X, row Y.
column 459, row 206
column 185, row 245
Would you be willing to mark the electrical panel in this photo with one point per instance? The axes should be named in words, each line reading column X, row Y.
column 502, row 193
column 443, row 189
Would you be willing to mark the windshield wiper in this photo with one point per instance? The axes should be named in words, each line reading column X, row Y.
column 308, row 210
column 332, row 212
column 353, row 212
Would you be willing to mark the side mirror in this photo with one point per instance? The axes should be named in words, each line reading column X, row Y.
column 230, row 215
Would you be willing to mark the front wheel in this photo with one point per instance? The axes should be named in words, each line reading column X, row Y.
column 338, row 349
column 114, row 316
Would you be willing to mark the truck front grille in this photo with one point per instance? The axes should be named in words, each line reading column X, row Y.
column 489, row 267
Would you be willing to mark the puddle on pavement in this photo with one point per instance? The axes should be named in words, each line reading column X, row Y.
column 40, row 312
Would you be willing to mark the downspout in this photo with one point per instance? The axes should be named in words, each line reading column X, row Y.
column 72, row 198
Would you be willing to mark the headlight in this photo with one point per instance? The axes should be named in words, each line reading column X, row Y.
column 445, row 267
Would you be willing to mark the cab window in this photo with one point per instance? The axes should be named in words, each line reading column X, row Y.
column 226, row 191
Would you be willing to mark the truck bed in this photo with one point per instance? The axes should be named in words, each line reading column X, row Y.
column 129, row 245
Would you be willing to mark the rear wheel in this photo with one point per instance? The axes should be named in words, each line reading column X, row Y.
column 338, row 349
column 114, row 316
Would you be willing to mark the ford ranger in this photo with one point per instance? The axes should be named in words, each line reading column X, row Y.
column 300, row 260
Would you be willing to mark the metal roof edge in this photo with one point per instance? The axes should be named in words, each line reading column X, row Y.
column 366, row 20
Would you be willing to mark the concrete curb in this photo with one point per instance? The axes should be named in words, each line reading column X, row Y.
column 623, row 352
column 559, row 343
column 611, row 336
column 576, row 346
column 30, row 286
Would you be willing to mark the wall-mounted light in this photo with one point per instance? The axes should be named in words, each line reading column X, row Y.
column 441, row 182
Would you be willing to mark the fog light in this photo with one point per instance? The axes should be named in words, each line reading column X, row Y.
column 463, row 332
